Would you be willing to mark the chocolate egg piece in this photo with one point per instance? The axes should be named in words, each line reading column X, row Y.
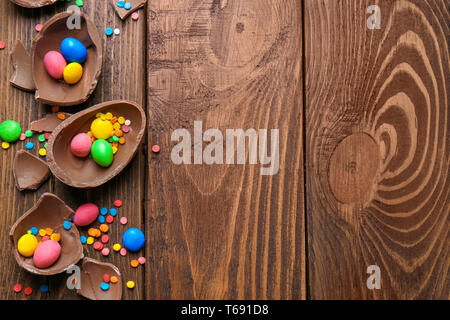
column 50, row 38
column 92, row 272
column 85, row 172
column 34, row 3
column 49, row 212
column 46, row 254
column 86, row 214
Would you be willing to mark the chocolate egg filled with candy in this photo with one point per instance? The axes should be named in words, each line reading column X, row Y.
column 86, row 172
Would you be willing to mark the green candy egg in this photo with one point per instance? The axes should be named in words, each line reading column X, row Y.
column 102, row 153
column 10, row 131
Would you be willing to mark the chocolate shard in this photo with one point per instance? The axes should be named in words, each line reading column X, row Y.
column 33, row 3
column 22, row 77
column 49, row 212
column 84, row 172
column 48, row 123
column 29, row 171
column 92, row 272
column 54, row 31
column 123, row 13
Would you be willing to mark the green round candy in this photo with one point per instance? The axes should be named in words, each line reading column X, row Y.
column 28, row 133
column 10, row 131
column 102, row 153
column 115, row 139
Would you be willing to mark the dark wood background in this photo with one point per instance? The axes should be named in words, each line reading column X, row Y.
column 334, row 89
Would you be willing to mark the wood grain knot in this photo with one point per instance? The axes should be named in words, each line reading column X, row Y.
column 353, row 167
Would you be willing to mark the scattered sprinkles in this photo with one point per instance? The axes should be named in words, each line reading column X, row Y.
column 28, row 291
column 42, row 152
column 106, row 278
column 83, row 239
column 67, row 225
column 43, row 288
column 123, row 220
column 105, row 252
column 118, row 203
column 29, row 145
column 2, row 45
column 104, row 286
column 17, row 288
column 134, row 263
column 109, row 31
column 141, row 260
column 113, row 212
column 38, row 27
column 156, row 148
column 114, row 279
column 123, row 252
column 103, row 211
column 130, row 284
column 135, row 16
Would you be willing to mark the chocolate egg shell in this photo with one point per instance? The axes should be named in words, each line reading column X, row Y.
column 92, row 272
column 29, row 171
column 34, row 3
column 54, row 31
column 84, row 172
column 50, row 211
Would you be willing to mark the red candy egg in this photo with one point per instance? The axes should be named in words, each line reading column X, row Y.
column 86, row 214
column 54, row 63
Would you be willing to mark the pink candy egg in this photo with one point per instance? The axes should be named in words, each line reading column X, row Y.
column 54, row 63
column 81, row 145
column 46, row 254
column 86, row 214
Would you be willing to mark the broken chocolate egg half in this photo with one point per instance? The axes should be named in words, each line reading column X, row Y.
column 85, row 172
column 49, row 212
column 34, row 3
column 54, row 31
column 92, row 272
column 29, row 171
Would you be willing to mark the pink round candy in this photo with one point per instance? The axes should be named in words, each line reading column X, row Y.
column 81, row 145
column 55, row 63
column 46, row 254
column 86, row 214
column 105, row 252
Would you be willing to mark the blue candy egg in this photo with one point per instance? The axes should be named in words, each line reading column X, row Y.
column 133, row 239
column 73, row 50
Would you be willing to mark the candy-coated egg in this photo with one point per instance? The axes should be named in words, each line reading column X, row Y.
column 101, row 129
column 73, row 73
column 55, row 63
column 81, row 145
column 27, row 244
column 10, row 131
column 102, row 153
column 86, row 214
column 46, row 254
column 133, row 239
column 73, row 50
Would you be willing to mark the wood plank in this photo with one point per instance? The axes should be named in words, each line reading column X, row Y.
column 225, row 231
column 122, row 78
column 377, row 141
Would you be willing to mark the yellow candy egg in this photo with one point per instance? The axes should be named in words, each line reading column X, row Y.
column 101, row 129
column 27, row 244
column 73, row 73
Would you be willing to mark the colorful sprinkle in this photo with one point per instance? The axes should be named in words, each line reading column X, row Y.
column 17, row 288
column 127, row 6
column 114, row 279
column 134, row 263
column 90, row 240
column 103, row 211
column 116, row 31
column 109, row 219
column 67, row 225
column 106, row 278
column 2, row 45
column 104, row 286
column 113, row 212
column 47, row 135
column 5, row 145
column 135, row 16
column 142, row 260
column 101, row 219
column 34, row 230
column 29, row 145
column 79, row 3
column 42, row 152
column 105, row 252
column 123, row 220
column 104, row 227
column 29, row 133
column 42, row 232
column 41, row 138
column 22, row 137
column 117, row 247
column 156, row 148
column 55, row 236
column 43, row 288
column 118, row 203
column 123, row 252
column 109, row 31
column 28, row 291
column 98, row 245
column 61, row 116
column 105, row 238
column 130, row 284
column 120, row 4
column 38, row 27
column 83, row 239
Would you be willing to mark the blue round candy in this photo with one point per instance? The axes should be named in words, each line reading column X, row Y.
column 29, row 145
column 34, row 231
column 83, row 239
column 120, row 4
column 44, row 288
column 113, row 212
column 133, row 239
column 103, row 211
column 109, row 31
column 67, row 225
column 101, row 219
column 104, row 286
column 127, row 6
column 73, row 50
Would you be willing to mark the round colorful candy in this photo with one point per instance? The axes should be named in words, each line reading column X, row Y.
column 102, row 153
column 133, row 239
column 73, row 50
column 46, row 254
column 10, row 131
column 55, row 63
column 86, row 214
column 81, row 145
column 27, row 244
column 73, row 73
column 101, row 129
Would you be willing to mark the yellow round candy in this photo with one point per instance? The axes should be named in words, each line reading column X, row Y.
column 116, row 126
column 117, row 247
column 42, row 232
column 90, row 240
column 101, row 129
column 5, row 145
column 109, row 115
column 42, row 152
column 55, row 236
column 121, row 120
column 114, row 149
column 73, row 73
column 27, row 244
column 130, row 284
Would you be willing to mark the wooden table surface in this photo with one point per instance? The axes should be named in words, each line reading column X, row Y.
column 364, row 146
